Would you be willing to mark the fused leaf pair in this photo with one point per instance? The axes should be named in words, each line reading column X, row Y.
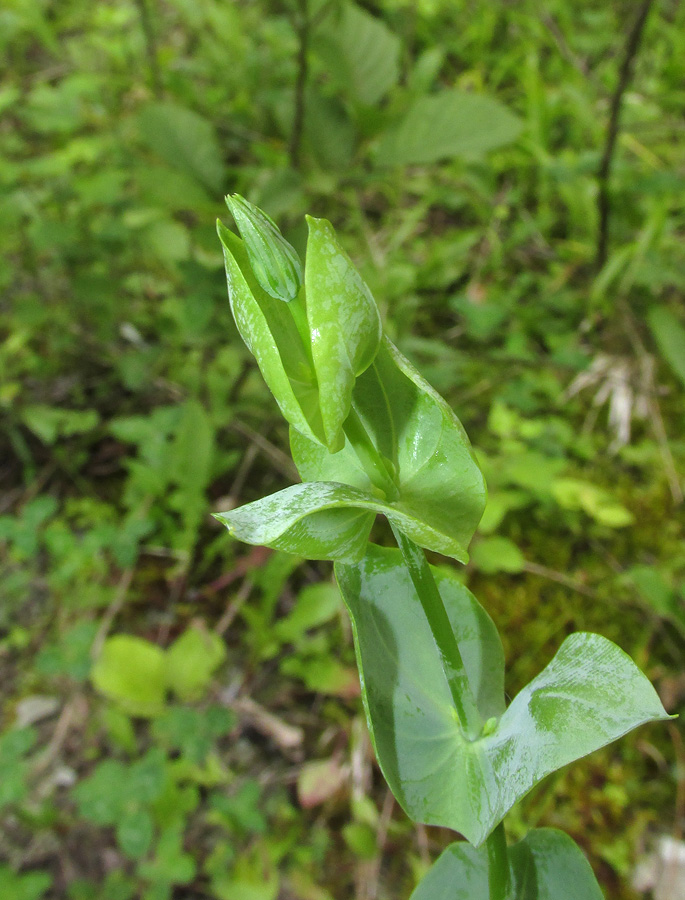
column 437, row 490
column 311, row 343
column 590, row 694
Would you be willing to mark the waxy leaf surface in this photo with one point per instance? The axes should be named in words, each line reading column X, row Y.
column 545, row 865
column 344, row 323
column 440, row 489
column 590, row 694
column 270, row 333
column 317, row 521
column 274, row 261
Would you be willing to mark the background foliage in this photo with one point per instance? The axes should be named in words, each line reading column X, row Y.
column 180, row 714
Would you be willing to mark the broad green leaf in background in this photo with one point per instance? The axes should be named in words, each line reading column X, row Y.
column 193, row 450
column 315, row 605
column 270, row 333
column 131, row 671
column 360, row 53
column 497, row 554
column 590, row 694
column 14, row 746
column 440, row 489
column 329, row 130
column 545, row 865
column 191, row 661
column 31, row 886
column 344, row 323
column 450, row 123
column 171, row 864
column 274, row 262
column 573, row 493
column 48, row 422
column 669, row 334
column 135, row 831
column 185, row 140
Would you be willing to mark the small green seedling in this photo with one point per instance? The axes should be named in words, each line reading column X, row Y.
column 369, row 436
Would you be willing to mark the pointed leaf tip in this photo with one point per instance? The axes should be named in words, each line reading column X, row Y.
column 274, row 261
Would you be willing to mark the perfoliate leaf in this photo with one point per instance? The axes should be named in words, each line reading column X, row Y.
column 545, row 865
column 451, row 123
column 440, row 489
column 274, row 261
column 590, row 694
column 344, row 323
column 270, row 333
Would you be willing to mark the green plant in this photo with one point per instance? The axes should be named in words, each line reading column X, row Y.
column 368, row 436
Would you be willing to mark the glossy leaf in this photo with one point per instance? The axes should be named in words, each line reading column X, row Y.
column 545, row 865
column 317, row 521
column 450, row 123
column 590, row 694
column 440, row 489
column 344, row 323
column 273, row 260
column 270, row 333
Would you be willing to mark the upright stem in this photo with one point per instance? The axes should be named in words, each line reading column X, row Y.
column 499, row 880
column 626, row 71
column 150, row 46
column 443, row 634
column 301, row 83
column 368, row 456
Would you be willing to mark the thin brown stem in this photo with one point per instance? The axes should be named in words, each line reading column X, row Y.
column 604, row 173
column 303, row 29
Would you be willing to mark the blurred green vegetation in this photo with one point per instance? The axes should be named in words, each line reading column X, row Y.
column 180, row 713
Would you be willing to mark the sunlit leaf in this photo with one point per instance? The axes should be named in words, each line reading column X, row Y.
column 130, row 670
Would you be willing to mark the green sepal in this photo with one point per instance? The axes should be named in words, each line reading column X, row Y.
column 590, row 694
column 270, row 333
column 440, row 489
column 344, row 324
column 274, row 261
column 546, row 865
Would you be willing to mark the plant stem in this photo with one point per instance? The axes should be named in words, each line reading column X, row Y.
column 150, row 47
column 443, row 634
column 603, row 201
column 499, row 881
column 302, row 29
column 368, row 455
